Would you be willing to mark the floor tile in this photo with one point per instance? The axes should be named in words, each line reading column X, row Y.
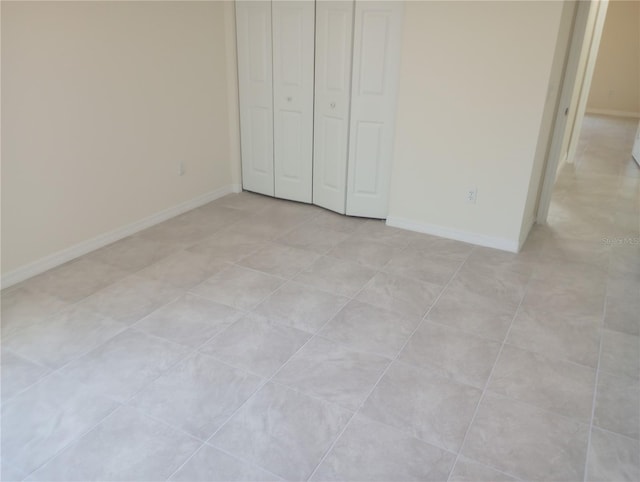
column 617, row 402
column 131, row 299
column 428, row 244
column 424, row 265
column 267, row 224
column 42, row 420
column 18, row 374
column 454, row 354
column 238, row 287
column 506, row 287
column 77, row 279
column 9, row 473
column 278, row 260
column 211, row 465
column 468, row 471
column 571, row 337
column 330, row 220
column 190, row 320
column 365, row 252
column 283, row 431
column 191, row 227
column 409, row 297
column 426, row 406
column 332, row 372
column 558, row 386
column 247, row 201
column 229, row 246
column 367, row 328
column 123, row 365
column 301, row 306
column 256, row 344
column 620, row 353
column 336, row 276
column 563, row 298
column 376, row 230
column 22, row 307
column 184, row 269
column 197, row 396
column 527, row 442
column 64, row 336
column 624, row 286
column 621, row 314
column 132, row 253
column 125, row 446
column 575, row 251
column 312, row 238
column 369, row 451
column 582, row 279
column 613, row 457
column 461, row 308
column 501, row 261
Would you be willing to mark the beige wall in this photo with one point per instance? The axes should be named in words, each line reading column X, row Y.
column 473, row 85
column 615, row 86
column 100, row 101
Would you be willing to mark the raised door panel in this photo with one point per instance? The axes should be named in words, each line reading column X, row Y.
column 334, row 32
column 293, row 64
column 376, row 63
column 253, row 30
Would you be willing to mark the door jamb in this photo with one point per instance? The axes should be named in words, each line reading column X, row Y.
column 579, row 67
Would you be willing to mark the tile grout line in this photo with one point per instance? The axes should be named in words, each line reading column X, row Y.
column 597, row 376
column 75, row 439
column 268, row 380
column 375, row 385
column 486, row 385
column 120, row 405
column 265, row 381
column 314, row 335
column 258, row 388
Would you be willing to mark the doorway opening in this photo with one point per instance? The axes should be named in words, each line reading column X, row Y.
column 590, row 171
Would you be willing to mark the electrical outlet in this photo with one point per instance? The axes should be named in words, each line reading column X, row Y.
column 471, row 195
column 181, row 168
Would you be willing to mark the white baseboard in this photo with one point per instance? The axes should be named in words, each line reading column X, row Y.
column 56, row 259
column 444, row 232
column 614, row 113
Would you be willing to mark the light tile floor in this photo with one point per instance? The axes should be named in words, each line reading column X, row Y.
column 257, row 339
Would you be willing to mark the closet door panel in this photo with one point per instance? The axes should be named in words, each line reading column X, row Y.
column 334, row 30
column 376, row 62
column 293, row 63
column 253, row 25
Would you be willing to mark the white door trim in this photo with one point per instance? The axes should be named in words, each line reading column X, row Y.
column 587, row 31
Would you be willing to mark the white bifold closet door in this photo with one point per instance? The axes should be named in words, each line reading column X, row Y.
column 253, row 30
column 357, row 62
column 334, row 33
column 377, row 42
column 335, row 151
column 293, row 63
